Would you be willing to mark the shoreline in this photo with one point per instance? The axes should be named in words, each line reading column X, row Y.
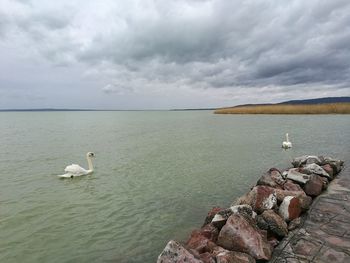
column 292, row 109
column 259, row 221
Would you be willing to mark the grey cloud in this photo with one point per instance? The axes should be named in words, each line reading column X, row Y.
column 214, row 44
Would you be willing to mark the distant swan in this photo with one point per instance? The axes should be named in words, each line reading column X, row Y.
column 287, row 144
column 74, row 170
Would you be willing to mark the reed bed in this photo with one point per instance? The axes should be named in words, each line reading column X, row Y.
column 326, row 108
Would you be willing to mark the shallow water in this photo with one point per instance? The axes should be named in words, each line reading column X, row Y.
column 156, row 176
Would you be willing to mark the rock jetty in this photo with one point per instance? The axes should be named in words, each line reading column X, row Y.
column 250, row 229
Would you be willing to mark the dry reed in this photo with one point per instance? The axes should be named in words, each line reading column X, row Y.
column 326, row 108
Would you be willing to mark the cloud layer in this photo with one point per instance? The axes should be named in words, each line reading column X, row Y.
column 208, row 53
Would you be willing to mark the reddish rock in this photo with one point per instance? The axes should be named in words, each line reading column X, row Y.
column 260, row 198
column 328, row 168
column 314, row 186
column 281, row 194
column 276, row 223
column 234, row 257
column 211, row 214
column 289, row 185
column 241, row 234
column 334, row 163
column 211, row 232
column 175, row 253
column 207, row 258
column 290, row 208
column 199, row 242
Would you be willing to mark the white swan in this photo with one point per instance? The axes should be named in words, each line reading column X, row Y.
column 287, row 144
column 74, row 170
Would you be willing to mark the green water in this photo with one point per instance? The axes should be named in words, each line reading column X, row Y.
column 156, row 176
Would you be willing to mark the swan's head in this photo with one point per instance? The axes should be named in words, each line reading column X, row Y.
column 90, row 154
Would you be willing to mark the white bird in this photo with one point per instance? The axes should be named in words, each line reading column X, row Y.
column 74, row 170
column 287, row 144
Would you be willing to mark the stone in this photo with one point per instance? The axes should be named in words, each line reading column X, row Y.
column 328, row 168
column 210, row 232
column 276, row 224
column 294, row 224
column 281, row 194
column 314, row 169
column 221, row 217
column 242, row 235
column 199, row 242
column 273, row 241
column 211, row 214
column 305, row 202
column 289, row 185
column 314, row 186
column 272, row 178
column 336, row 164
column 233, row 257
column 261, row 223
column 207, row 258
column 262, row 198
column 290, row 208
column 307, row 159
column 175, row 253
column 298, row 177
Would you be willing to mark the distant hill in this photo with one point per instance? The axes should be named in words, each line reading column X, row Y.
column 318, row 101
column 308, row 101
column 334, row 105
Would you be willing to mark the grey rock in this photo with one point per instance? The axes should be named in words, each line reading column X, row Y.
column 315, row 169
column 295, row 175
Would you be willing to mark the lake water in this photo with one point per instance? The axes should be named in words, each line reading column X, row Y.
column 156, row 176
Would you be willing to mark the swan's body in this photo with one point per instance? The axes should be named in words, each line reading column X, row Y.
column 286, row 144
column 75, row 170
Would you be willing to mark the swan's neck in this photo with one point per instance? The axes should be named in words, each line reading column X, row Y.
column 90, row 163
column 287, row 138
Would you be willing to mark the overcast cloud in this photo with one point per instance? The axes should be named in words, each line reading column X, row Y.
column 171, row 54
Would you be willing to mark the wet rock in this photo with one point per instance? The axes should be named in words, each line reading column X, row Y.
column 305, row 202
column 175, row 253
column 221, row 217
column 272, row 178
column 219, row 220
column 211, row 214
column 210, row 232
column 276, row 224
column 307, row 159
column 294, row 224
column 334, row 163
column 263, row 198
column 314, row 186
column 295, row 175
column 200, row 243
column 207, row 258
column 328, row 168
column 234, row 257
column 290, row 208
column 240, row 234
column 289, row 185
column 273, row 241
column 314, row 169
column 281, row 194
column 261, row 223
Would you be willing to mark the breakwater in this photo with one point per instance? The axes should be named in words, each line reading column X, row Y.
column 250, row 229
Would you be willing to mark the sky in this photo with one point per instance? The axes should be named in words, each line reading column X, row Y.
column 117, row 54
